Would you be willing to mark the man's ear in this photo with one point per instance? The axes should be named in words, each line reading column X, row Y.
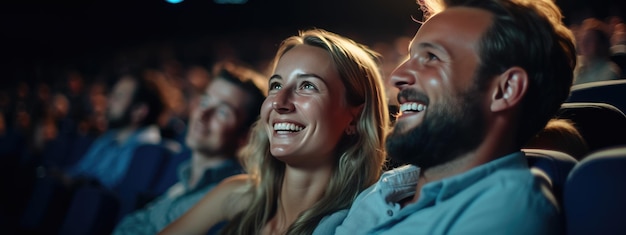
column 509, row 89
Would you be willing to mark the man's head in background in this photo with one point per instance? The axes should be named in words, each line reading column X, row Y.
column 219, row 124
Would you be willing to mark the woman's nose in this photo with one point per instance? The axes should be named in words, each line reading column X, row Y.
column 282, row 102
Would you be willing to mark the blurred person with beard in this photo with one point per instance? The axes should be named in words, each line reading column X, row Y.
column 218, row 126
column 134, row 107
column 483, row 77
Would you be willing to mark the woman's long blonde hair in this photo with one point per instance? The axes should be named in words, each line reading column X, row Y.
column 360, row 157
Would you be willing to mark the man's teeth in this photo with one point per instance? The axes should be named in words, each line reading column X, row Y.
column 412, row 107
column 287, row 127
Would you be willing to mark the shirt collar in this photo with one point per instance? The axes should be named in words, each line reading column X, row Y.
column 211, row 175
column 399, row 183
column 149, row 134
column 451, row 186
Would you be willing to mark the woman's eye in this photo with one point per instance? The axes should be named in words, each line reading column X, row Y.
column 308, row 86
column 275, row 86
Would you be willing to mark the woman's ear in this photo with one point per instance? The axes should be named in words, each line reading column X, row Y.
column 355, row 113
column 509, row 89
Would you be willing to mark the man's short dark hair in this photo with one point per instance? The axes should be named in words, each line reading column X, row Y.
column 249, row 80
column 147, row 91
column 531, row 35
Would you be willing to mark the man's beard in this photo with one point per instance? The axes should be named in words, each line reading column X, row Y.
column 198, row 144
column 119, row 122
column 447, row 132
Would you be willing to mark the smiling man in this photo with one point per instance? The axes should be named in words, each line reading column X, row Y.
column 481, row 79
column 218, row 127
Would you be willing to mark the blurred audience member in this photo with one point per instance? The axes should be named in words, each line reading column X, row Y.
column 134, row 106
column 618, row 45
column 594, row 54
column 218, row 126
column 75, row 94
column 560, row 135
column 95, row 122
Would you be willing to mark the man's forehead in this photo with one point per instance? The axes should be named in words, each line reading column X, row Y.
column 457, row 25
column 222, row 84
column 125, row 82
column 460, row 18
column 228, row 92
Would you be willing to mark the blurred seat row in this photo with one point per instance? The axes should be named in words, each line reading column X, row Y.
column 590, row 189
column 43, row 205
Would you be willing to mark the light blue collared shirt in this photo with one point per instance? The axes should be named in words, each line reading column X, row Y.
column 499, row 197
column 107, row 159
column 179, row 198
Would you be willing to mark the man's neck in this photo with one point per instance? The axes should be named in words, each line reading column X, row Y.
column 124, row 133
column 482, row 155
column 436, row 173
column 200, row 162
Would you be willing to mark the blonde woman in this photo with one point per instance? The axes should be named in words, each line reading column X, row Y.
column 318, row 143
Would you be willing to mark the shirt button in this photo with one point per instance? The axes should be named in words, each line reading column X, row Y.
column 390, row 212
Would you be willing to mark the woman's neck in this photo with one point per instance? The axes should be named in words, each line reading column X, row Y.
column 300, row 190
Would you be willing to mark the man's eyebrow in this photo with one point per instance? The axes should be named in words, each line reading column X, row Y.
column 428, row 45
column 220, row 102
column 425, row 45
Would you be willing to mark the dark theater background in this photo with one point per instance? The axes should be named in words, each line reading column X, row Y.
column 41, row 39
column 58, row 59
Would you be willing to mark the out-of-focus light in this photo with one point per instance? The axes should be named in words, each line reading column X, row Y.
column 174, row 1
column 230, row 1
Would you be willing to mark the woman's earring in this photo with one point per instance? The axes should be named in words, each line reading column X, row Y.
column 351, row 130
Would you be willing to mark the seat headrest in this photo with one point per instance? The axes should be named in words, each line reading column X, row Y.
column 555, row 165
column 594, row 196
column 598, row 123
column 610, row 92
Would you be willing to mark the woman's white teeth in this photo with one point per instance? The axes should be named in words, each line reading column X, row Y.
column 287, row 127
column 412, row 107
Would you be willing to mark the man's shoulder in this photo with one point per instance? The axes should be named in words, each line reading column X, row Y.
column 504, row 201
column 509, row 196
column 329, row 223
column 149, row 135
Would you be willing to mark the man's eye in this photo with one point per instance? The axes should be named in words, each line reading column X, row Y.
column 204, row 101
column 427, row 57
column 432, row 57
column 223, row 112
